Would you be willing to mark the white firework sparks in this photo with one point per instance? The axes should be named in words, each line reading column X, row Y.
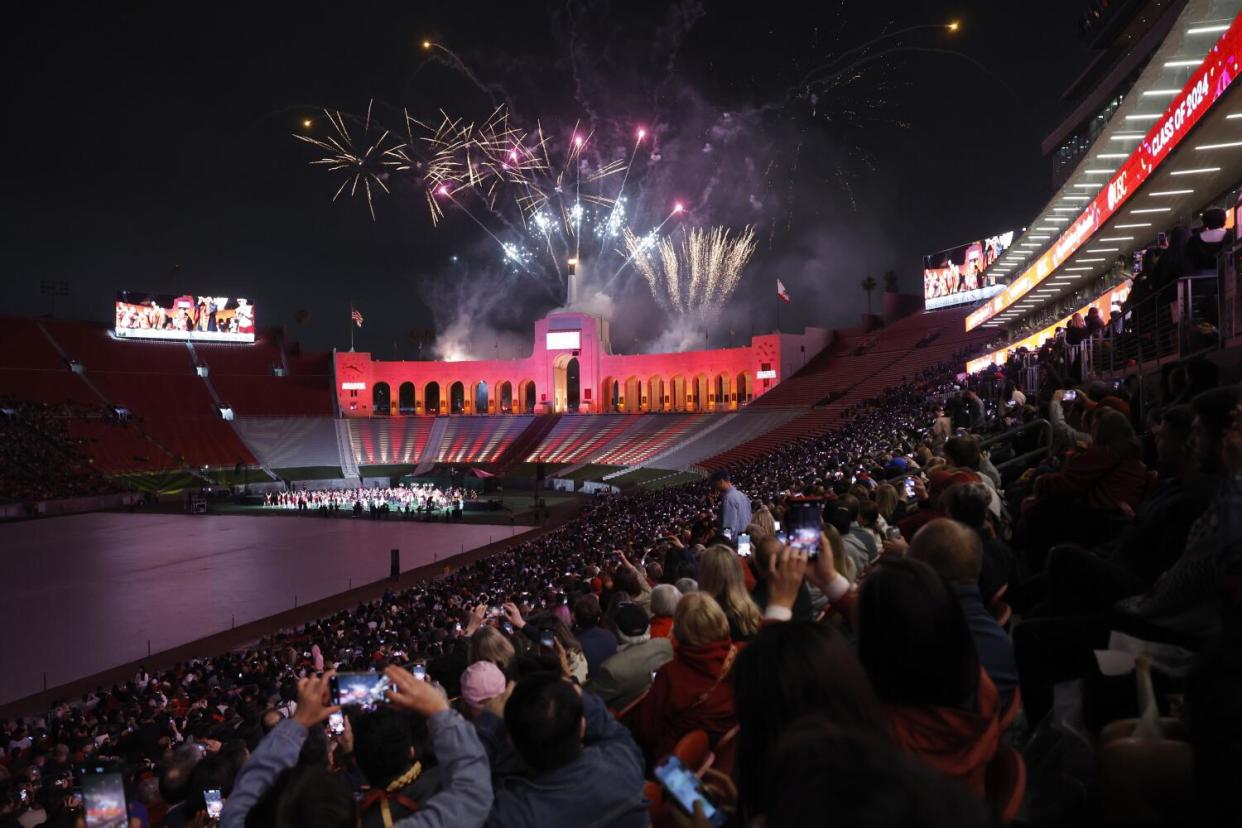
column 695, row 270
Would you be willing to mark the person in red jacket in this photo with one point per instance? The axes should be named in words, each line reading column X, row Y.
column 694, row 691
column 916, row 648
column 664, row 600
column 1105, row 481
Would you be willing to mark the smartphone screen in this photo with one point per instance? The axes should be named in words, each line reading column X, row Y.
column 215, row 805
column 103, row 795
column 743, row 545
column 776, row 525
column 805, row 524
column 547, row 640
column 683, row 786
column 727, row 532
column 336, row 723
column 420, row 671
column 365, row 690
column 909, row 485
column 1070, row 395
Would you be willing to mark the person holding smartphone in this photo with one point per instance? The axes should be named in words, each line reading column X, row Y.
column 466, row 794
column 1064, row 434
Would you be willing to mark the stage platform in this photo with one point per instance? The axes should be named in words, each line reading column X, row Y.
column 85, row 593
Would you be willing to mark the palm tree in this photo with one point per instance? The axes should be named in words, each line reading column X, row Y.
column 868, row 285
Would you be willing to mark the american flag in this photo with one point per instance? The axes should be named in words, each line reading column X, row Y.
column 356, row 315
column 781, row 292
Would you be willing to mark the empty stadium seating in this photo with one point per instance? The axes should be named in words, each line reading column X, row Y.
column 747, row 424
column 177, row 418
column 614, row 439
column 470, row 439
column 578, row 436
column 244, row 378
column 649, row 437
column 31, row 368
column 857, row 368
column 119, row 447
column 290, row 442
column 389, row 440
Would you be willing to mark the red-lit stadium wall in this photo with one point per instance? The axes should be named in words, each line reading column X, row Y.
column 717, row 380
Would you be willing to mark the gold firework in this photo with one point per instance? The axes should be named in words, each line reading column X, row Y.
column 366, row 162
column 695, row 270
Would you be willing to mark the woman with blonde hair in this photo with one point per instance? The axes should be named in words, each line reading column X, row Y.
column 694, row 691
column 720, row 576
column 886, row 499
column 490, row 644
column 762, row 518
column 842, row 562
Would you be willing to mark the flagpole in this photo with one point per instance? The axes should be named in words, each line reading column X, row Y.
column 351, row 327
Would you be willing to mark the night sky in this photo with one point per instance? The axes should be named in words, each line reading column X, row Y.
column 151, row 150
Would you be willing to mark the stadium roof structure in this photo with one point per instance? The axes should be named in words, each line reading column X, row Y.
column 1173, row 143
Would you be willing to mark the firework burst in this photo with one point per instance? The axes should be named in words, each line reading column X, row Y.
column 693, row 271
column 365, row 162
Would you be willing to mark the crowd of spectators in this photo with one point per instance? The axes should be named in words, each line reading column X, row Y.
column 892, row 671
column 38, row 458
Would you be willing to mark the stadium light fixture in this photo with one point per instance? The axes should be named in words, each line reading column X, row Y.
column 1116, row 238
column 1143, row 116
column 1225, row 145
column 1169, row 193
column 1150, row 210
column 1104, row 250
column 1182, row 64
column 1198, row 170
column 1211, row 28
column 1113, row 155
column 1161, row 93
column 1129, row 226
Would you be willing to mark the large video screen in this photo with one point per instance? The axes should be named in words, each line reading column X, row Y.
column 163, row 316
column 957, row 275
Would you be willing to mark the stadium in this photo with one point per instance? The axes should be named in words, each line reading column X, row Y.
column 966, row 559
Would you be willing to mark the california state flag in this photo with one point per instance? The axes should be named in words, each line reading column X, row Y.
column 781, row 292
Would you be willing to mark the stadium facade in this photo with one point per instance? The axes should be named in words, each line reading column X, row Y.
column 571, row 368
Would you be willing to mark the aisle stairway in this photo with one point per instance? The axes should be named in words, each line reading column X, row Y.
column 521, row 447
column 431, row 449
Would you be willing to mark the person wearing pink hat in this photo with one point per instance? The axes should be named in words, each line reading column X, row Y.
column 482, row 683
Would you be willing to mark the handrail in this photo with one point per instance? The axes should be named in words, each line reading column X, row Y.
column 1045, row 450
column 1158, row 326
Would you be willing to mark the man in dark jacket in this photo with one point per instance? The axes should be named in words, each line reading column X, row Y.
column 598, row 644
column 585, row 768
column 954, row 550
column 399, row 776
